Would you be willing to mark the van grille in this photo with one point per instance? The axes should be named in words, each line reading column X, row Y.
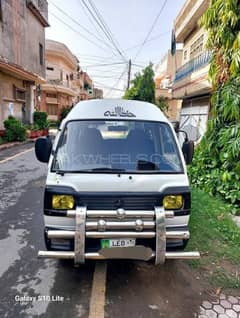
column 125, row 201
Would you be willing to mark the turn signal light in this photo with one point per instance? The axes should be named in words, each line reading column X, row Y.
column 62, row 202
column 172, row 202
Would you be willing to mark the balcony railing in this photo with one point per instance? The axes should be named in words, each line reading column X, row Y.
column 193, row 65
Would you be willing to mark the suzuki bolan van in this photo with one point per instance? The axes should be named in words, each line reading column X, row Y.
column 117, row 185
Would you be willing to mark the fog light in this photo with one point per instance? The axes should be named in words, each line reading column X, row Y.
column 62, row 202
column 172, row 202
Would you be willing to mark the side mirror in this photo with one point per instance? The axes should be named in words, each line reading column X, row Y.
column 176, row 126
column 188, row 151
column 43, row 148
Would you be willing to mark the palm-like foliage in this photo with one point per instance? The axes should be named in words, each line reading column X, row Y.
column 222, row 21
column 216, row 166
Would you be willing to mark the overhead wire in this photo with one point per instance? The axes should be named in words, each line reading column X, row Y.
column 140, row 44
column 91, row 20
column 113, row 45
column 117, row 82
column 100, row 17
column 80, row 25
column 101, row 65
column 149, row 40
column 101, row 25
column 97, row 65
column 77, row 32
column 106, row 86
column 151, row 29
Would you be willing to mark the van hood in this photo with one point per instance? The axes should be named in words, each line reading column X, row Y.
column 109, row 182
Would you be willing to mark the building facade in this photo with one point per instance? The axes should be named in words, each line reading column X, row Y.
column 22, row 57
column 97, row 93
column 87, row 88
column 60, row 91
column 165, row 73
column 191, row 79
column 66, row 83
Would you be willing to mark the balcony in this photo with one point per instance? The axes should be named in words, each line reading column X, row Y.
column 193, row 65
column 191, row 79
column 40, row 10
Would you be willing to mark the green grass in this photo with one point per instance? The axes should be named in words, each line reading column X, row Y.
column 217, row 237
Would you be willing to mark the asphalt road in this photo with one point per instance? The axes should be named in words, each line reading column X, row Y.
column 32, row 287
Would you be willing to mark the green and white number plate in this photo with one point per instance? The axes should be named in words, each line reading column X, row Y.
column 117, row 243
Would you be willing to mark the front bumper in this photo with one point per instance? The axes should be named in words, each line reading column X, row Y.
column 153, row 239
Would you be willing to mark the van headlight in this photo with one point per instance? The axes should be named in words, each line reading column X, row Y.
column 62, row 202
column 172, row 202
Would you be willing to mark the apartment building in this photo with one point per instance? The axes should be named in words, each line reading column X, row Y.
column 191, row 79
column 59, row 91
column 66, row 83
column 164, row 76
column 97, row 93
column 22, row 57
column 87, row 89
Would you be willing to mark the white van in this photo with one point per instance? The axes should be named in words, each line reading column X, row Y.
column 117, row 185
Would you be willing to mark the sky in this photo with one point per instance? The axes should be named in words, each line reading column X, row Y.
column 131, row 24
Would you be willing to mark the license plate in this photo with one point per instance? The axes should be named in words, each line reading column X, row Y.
column 117, row 243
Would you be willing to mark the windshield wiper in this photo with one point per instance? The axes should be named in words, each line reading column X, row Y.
column 61, row 172
column 103, row 169
column 108, row 169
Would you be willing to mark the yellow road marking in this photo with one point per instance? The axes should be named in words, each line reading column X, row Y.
column 97, row 301
column 17, row 155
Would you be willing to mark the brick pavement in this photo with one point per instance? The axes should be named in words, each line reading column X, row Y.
column 224, row 307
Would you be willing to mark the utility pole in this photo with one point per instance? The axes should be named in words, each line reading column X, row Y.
column 129, row 73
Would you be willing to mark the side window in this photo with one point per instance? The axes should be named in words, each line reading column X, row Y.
column 168, row 147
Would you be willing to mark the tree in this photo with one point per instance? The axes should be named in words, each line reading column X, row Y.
column 222, row 21
column 162, row 103
column 216, row 165
column 143, row 87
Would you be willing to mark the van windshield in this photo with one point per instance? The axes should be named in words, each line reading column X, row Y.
column 119, row 145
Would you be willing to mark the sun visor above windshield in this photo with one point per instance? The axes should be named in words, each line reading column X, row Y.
column 112, row 109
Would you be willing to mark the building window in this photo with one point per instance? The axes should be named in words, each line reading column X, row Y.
column 1, row 11
column 41, row 54
column 197, row 47
column 49, row 68
column 19, row 93
column 52, row 109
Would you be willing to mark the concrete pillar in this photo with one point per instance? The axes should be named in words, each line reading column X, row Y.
column 32, row 102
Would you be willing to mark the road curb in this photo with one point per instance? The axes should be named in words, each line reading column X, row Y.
column 17, row 143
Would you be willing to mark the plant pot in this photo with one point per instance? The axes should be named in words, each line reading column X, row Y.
column 38, row 133
column 2, row 132
column 45, row 132
column 33, row 134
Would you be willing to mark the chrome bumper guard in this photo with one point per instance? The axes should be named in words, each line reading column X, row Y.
column 136, row 224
